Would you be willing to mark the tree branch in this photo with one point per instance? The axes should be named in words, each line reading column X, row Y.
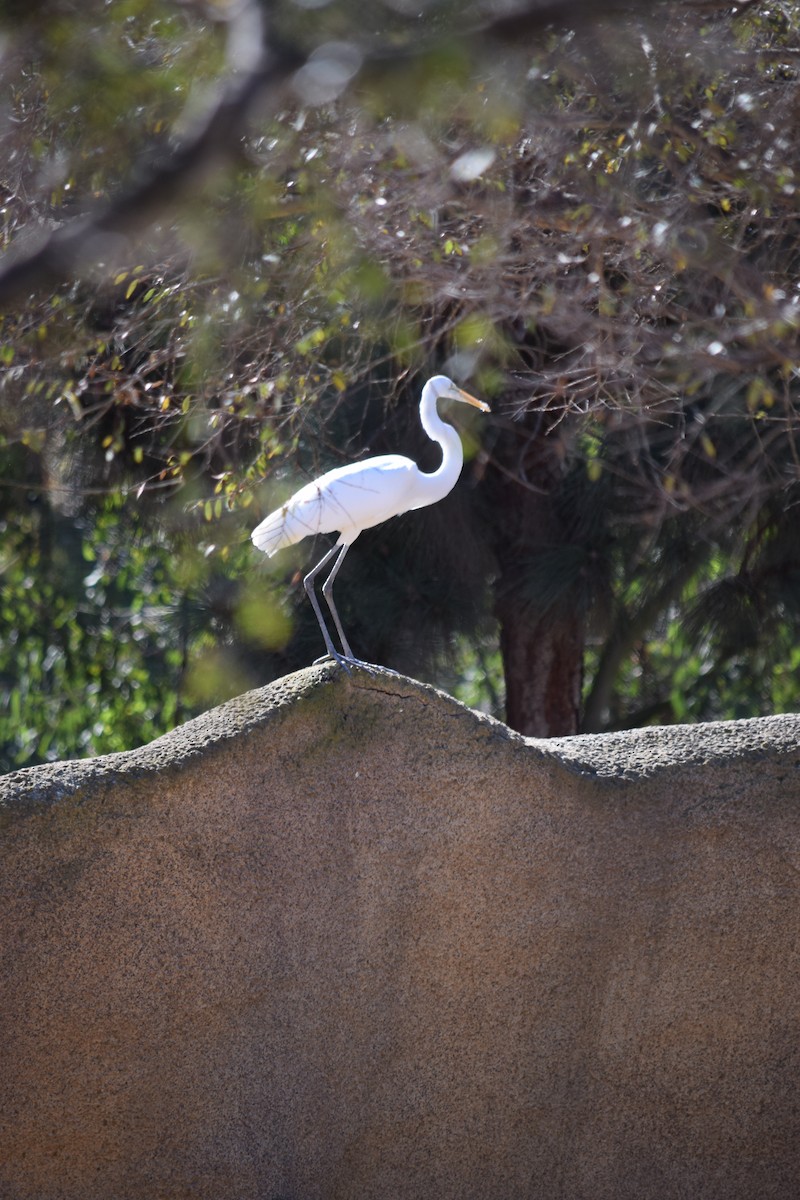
column 270, row 66
column 213, row 139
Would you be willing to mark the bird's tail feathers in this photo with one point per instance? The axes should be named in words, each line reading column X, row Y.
column 272, row 534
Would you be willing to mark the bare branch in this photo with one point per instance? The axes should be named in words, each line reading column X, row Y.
column 269, row 65
column 213, row 140
column 562, row 14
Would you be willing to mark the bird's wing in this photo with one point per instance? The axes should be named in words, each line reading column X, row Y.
column 345, row 500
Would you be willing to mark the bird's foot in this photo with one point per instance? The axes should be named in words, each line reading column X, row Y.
column 343, row 662
column 347, row 662
column 364, row 666
column 372, row 668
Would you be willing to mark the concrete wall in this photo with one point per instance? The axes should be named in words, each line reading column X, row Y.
column 344, row 938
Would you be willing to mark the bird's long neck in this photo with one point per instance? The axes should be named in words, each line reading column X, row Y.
column 436, row 484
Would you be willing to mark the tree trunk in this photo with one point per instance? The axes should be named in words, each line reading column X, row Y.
column 542, row 644
column 543, row 666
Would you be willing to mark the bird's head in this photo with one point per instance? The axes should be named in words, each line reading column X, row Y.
column 444, row 388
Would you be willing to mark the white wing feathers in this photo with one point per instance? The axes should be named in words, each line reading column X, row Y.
column 347, row 499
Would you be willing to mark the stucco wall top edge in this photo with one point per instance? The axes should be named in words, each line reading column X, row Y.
column 613, row 758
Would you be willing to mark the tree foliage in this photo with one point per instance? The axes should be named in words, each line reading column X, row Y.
column 240, row 237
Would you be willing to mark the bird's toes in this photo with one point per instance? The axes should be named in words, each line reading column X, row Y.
column 339, row 659
column 364, row 666
column 372, row 668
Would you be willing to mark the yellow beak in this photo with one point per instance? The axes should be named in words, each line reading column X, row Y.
column 458, row 394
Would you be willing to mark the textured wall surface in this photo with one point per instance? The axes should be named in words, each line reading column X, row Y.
column 342, row 938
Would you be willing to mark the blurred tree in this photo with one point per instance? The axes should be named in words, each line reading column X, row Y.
column 240, row 237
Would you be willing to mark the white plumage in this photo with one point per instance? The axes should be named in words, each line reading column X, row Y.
column 356, row 497
column 347, row 499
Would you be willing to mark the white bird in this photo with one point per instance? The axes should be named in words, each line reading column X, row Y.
column 356, row 497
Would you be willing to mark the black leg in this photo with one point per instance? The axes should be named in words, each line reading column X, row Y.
column 327, row 591
column 308, row 584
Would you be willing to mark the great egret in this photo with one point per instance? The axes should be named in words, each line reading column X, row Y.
column 356, row 497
